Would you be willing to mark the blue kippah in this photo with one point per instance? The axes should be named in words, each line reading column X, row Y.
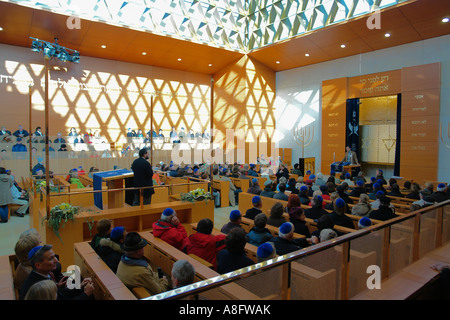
column 332, row 171
column 285, row 228
column 347, row 175
column 365, row 222
column 264, row 250
column 380, row 193
column 312, row 177
column 320, row 198
column 380, row 182
column 303, row 188
column 441, row 186
column 234, row 214
column 256, row 199
column 376, row 185
column 33, row 251
column 117, row 232
column 340, row 203
column 373, row 179
column 168, row 212
column 308, row 172
column 360, row 183
column 254, row 180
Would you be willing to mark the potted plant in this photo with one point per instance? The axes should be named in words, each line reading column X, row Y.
column 196, row 195
column 59, row 215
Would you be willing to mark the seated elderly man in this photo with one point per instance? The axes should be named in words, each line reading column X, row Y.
column 170, row 229
column 134, row 271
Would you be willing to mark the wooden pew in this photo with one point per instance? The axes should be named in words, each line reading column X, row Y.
column 407, row 283
column 7, row 290
column 247, row 224
column 107, row 286
column 242, row 184
column 224, row 188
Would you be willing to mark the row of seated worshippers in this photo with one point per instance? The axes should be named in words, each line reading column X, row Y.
column 38, row 274
column 358, row 187
column 224, row 251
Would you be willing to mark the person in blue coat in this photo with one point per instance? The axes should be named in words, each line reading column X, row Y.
column 19, row 146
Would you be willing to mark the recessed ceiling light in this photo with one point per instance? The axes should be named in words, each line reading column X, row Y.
column 179, row 59
column 1, row 29
column 343, row 46
column 210, row 65
column 278, row 62
column 445, row 20
column 103, row 46
column 144, row 53
column 387, row 35
column 306, row 54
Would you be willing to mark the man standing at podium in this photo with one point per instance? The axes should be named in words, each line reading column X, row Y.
column 143, row 174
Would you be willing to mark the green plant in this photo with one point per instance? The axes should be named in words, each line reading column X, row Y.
column 59, row 215
column 196, row 195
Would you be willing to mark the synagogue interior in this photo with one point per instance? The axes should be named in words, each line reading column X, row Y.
column 237, row 149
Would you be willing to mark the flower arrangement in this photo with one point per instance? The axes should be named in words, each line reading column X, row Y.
column 41, row 184
column 196, row 195
column 59, row 215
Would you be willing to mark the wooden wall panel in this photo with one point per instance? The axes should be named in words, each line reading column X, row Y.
column 334, row 97
column 420, row 121
column 376, row 84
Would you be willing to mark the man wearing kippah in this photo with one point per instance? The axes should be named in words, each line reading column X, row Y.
column 285, row 242
column 255, row 210
column 338, row 215
column 358, row 189
column 235, row 222
column 109, row 249
column 441, row 194
column 170, row 229
column 43, row 261
column 254, row 187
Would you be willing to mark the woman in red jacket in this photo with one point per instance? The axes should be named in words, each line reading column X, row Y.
column 204, row 244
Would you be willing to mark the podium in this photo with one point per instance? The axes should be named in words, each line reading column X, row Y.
column 114, row 180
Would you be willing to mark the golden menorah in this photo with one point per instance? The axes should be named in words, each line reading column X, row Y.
column 303, row 136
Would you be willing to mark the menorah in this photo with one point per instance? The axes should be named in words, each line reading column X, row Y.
column 303, row 136
column 448, row 134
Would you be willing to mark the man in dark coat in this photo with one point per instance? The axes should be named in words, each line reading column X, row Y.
column 441, row 194
column 143, row 177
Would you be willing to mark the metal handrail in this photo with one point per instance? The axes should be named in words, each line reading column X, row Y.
column 207, row 284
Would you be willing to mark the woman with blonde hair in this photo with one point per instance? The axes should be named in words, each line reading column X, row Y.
column 42, row 290
column 23, row 246
column 363, row 207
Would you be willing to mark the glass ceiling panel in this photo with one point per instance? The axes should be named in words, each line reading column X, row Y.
column 241, row 25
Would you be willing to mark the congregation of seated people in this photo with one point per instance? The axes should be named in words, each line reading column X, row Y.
column 123, row 251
